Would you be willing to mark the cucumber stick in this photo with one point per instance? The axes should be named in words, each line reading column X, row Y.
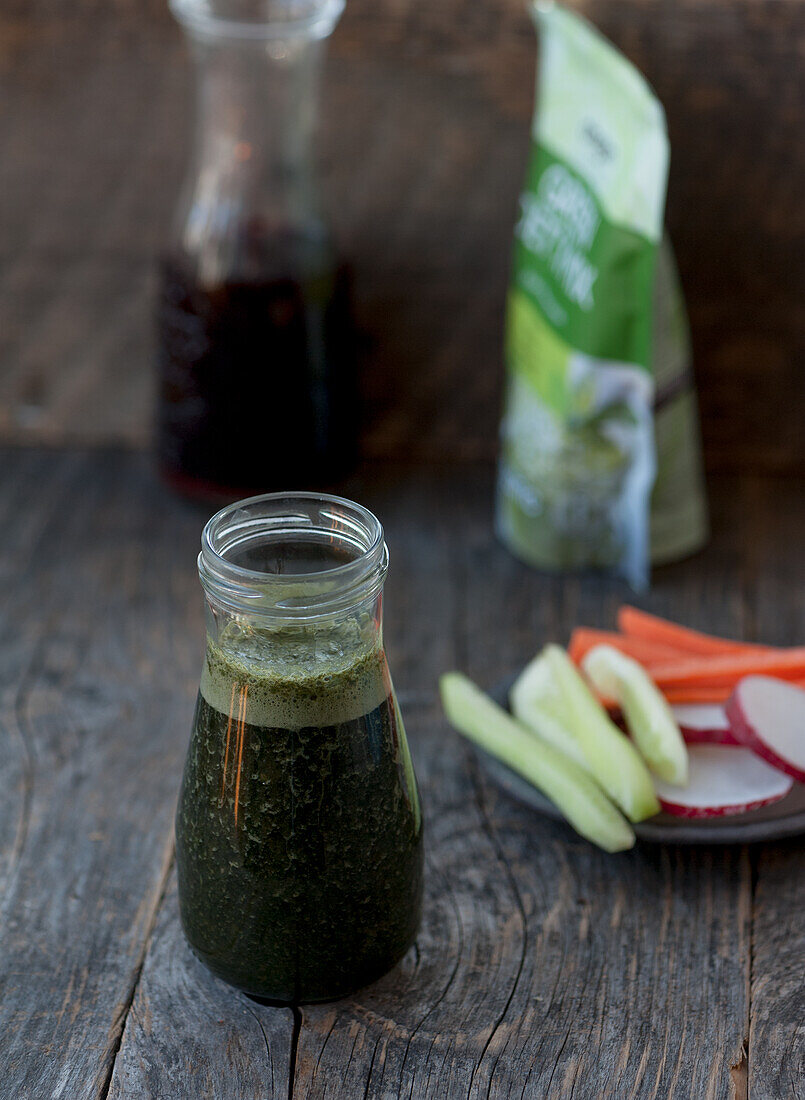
column 536, row 703
column 570, row 788
column 611, row 757
column 648, row 716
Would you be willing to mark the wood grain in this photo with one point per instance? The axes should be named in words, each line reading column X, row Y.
column 98, row 614
column 424, row 140
column 543, row 967
column 189, row 1035
column 731, row 79
column 776, row 1065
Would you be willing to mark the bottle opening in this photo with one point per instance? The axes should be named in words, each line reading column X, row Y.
column 292, row 554
column 294, row 557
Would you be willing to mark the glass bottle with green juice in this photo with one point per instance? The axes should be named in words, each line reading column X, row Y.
column 299, row 829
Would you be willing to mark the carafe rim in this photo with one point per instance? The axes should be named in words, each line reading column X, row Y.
column 272, row 20
column 310, row 517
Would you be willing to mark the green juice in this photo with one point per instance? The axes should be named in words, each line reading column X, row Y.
column 298, row 831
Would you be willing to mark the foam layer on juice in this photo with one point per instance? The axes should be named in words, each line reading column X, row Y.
column 311, row 677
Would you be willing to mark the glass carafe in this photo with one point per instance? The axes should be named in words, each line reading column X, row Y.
column 298, row 830
column 254, row 329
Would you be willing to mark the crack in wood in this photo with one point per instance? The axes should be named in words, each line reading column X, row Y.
column 739, row 1073
column 438, row 1000
column 68, row 472
column 555, row 1066
column 495, row 842
column 268, row 1046
column 27, row 764
column 371, row 1067
column 297, row 1028
column 739, row 1070
column 121, row 1018
column 322, row 1049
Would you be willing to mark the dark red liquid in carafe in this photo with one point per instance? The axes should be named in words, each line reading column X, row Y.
column 257, row 381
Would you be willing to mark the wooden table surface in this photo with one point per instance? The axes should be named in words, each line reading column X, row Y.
column 543, row 968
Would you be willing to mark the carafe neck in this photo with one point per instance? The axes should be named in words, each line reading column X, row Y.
column 250, row 195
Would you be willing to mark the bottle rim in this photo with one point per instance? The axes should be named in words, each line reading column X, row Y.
column 306, row 518
column 258, row 20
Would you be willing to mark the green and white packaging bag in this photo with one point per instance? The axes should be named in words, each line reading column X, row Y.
column 600, row 462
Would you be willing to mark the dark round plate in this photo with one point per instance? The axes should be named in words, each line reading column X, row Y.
column 783, row 819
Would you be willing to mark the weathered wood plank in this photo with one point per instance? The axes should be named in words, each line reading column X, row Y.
column 542, row 968
column 77, row 259
column 97, row 628
column 777, row 1036
column 189, row 1035
column 730, row 78
column 432, row 102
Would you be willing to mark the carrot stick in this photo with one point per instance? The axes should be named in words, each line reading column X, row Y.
column 727, row 669
column 697, row 695
column 700, row 694
column 652, row 628
column 647, row 653
column 679, row 695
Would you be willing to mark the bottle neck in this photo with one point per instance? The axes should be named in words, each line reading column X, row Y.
column 294, row 648
column 294, row 584
column 295, row 674
column 286, row 560
column 250, row 207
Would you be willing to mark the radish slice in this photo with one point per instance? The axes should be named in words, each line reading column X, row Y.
column 768, row 716
column 723, row 780
column 703, row 724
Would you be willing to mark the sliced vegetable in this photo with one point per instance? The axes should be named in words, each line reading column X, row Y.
column 570, row 788
column 703, row 724
column 677, row 696
column 648, row 716
column 724, row 780
column 768, row 716
column 726, row 670
column 700, row 694
column 536, row 703
column 610, row 755
column 653, row 628
column 584, row 638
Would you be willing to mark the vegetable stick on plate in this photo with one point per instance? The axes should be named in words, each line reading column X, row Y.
column 569, row 787
column 725, row 670
column 648, row 715
column 610, row 755
column 652, row 628
column 584, row 638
